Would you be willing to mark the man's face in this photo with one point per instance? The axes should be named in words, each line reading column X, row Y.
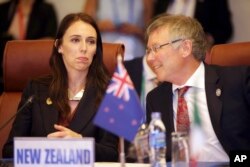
column 163, row 56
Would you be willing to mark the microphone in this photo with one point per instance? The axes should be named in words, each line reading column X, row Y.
column 29, row 101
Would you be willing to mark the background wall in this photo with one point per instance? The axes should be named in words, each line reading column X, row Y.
column 240, row 9
column 64, row 7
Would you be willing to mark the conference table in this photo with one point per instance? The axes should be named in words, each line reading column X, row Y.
column 200, row 164
column 9, row 163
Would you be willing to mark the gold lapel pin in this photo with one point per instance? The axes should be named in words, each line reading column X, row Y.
column 48, row 101
column 218, row 92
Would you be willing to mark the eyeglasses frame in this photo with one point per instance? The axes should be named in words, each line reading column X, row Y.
column 155, row 48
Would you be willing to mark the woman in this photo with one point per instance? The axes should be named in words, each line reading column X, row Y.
column 67, row 100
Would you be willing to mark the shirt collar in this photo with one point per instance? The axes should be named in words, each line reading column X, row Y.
column 78, row 96
column 197, row 80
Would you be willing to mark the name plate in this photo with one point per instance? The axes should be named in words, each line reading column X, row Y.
column 41, row 151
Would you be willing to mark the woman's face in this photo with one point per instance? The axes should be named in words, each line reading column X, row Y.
column 78, row 46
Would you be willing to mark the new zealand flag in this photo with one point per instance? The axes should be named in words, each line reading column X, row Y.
column 120, row 111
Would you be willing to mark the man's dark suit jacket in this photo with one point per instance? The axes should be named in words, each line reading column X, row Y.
column 214, row 16
column 229, row 112
column 38, row 119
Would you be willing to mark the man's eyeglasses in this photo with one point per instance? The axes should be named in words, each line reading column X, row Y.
column 155, row 48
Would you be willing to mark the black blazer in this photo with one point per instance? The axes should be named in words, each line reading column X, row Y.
column 229, row 112
column 38, row 119
column 214, row 16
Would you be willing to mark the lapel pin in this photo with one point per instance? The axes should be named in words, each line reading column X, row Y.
column 218, row 92
column 48, row 101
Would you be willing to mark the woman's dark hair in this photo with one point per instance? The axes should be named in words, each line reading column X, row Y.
column 97, row 76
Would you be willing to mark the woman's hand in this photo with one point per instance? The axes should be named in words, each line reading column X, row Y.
column 63, row 132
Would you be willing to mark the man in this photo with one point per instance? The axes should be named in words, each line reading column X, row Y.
column 176, row 49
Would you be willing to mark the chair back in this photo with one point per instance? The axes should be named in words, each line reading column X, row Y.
column 26, row 59
column 231, row 54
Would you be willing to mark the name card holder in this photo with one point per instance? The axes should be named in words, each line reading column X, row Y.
column 41, row 151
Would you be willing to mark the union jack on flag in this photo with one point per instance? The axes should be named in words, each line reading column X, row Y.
column 120, row 111
column 121, row 83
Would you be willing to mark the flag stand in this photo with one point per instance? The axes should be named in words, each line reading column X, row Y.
column 122, row 152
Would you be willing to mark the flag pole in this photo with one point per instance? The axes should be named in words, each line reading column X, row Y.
column 122, row 152
column 121, row 142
